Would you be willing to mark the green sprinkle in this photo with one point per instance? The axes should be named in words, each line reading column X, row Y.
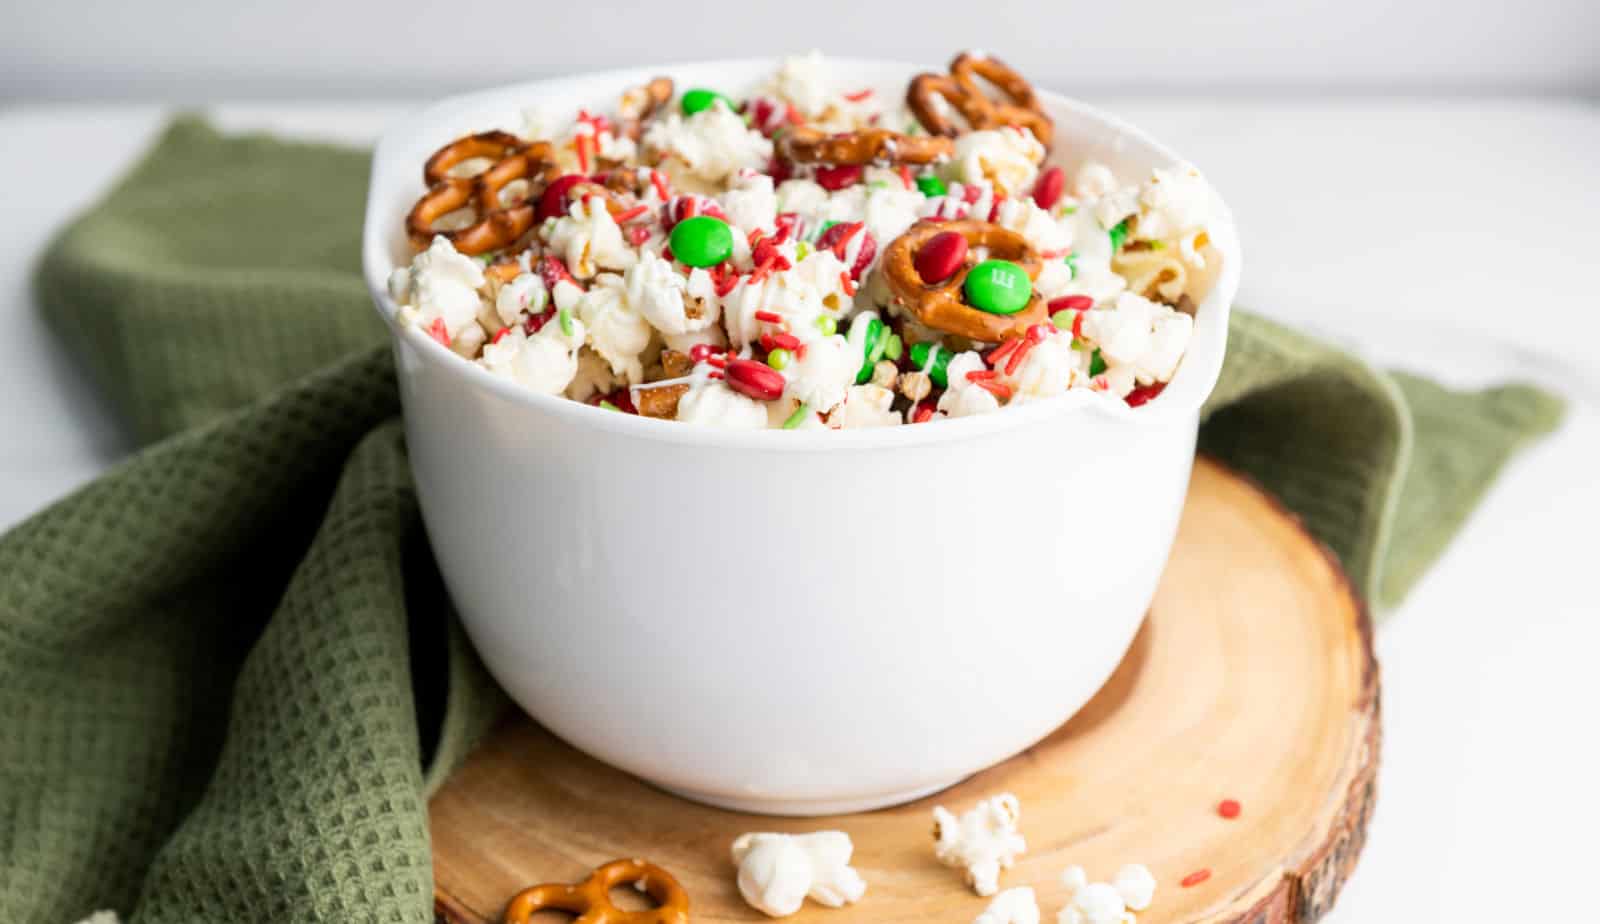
column 1063, row 321
column 894, row 347
column 1069, row 210
column 913, row 128
column 1078, row 344
column 1097, row 363
column 1118, row 235
column 608, row 405
column 931, row 186
column 778, row 359
column 486, row 258
column 1072, row 264
column 801, row 251
column 879, row 184
column 795, row 418
column 827, row 325
column 565, row 317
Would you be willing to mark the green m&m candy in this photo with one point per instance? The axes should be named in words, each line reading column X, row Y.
column 699, row 98
column 996, row 286
column 937, row 368
column 701, row 241
column 931, row 186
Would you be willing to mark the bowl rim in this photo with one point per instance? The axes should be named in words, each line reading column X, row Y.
column 1196, row 376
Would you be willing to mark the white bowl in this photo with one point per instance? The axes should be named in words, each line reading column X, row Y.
column 790, row 622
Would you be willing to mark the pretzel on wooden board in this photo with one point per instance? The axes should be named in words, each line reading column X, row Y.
column 940, row 305
column 590, row 899
column 960, row 88
column 498, row 225
column 870, row 146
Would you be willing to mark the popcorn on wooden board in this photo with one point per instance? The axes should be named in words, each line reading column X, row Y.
column 982, row 842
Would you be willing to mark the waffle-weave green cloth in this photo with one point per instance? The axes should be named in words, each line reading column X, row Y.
column 228, row 674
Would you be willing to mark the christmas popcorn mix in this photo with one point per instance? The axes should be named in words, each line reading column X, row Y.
column 807, row 255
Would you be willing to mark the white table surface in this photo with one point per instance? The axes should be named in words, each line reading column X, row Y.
column 1459, row 238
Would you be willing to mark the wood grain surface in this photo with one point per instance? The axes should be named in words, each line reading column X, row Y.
column 1253, row 679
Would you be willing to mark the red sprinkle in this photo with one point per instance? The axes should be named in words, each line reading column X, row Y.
column 783, row 341
column 1047, row 191
column 923, row 412
column 998, row 354
column 837, row 178
column 769, row 317
column 1070, row 303
column 859, row 95
column 1018, row 354
column 631, row 214
column 846, row 283
column 580, row 145
column 536, row 322
column 1227, row 808
column 660, row 183
column 1195, row 878
column 439, row 332
column 787, row 222
column 1143, row 395
column 1077, row 324
column 754, row 379
column 905, row 177
column 638, row 234
column 714, row 375
column 500, row 335
column 970, row 194
column 999, row 389
column 723, row 278
column 983, row 375
column 700, row 351
column 994, row 209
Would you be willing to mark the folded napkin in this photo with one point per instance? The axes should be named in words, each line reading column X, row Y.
column 229, row 676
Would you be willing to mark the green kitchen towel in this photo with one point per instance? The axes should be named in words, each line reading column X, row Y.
column 228, row 676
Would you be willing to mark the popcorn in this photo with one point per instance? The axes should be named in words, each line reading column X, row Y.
column 589, row 240
column 616, row 331
column 710, row 145
column 1102, row 903
column 629, row 297
column 984, row 840
column 1147, row 337
column 1007, row 158
column 777, row 872
column 1136, row 885
column 714, row 404
column 1013, row 906
column 440, row 284
column 867, row 406
column 546, row 362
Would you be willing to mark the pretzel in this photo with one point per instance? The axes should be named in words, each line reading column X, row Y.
column 590, row 899
column 961, row 89
column 639, row 103
column 873, row 146
column 497, row 225
column 940, row 305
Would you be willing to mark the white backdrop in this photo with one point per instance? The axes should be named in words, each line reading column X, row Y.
column 193, row 51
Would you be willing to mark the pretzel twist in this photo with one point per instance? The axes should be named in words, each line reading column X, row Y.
column 961, row 90
column 639, row 103
column 590, row 899
column 872, row 146
column 498, row 225
column 940, row 305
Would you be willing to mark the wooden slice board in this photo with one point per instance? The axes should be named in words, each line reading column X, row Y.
column 1253, row 679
